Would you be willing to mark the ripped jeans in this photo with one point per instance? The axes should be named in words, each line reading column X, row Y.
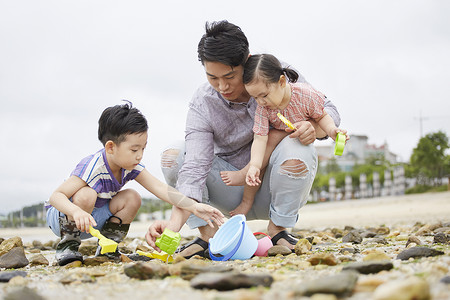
column 284, row 189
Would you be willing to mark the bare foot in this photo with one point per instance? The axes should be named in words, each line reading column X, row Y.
column 242, row 209
column 233, row 178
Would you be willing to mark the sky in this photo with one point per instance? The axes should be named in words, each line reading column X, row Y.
column 384, row 64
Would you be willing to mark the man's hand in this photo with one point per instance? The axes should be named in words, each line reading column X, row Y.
column 305, row 132
column 154, row 231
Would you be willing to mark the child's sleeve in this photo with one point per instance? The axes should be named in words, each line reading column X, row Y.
column 261, row 123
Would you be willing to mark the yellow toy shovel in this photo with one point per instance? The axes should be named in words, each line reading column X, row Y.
column 159, row 255
column 106, row 244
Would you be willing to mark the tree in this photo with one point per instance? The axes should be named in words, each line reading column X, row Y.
column 429, row 162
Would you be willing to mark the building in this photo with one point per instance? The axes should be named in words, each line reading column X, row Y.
column 357, row 151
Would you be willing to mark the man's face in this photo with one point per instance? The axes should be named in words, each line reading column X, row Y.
column 226, row 80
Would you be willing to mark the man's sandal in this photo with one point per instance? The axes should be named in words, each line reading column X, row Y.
column 197, row 241
column 284, row 235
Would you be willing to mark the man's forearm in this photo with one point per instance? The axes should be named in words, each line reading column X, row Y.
column 178, row 218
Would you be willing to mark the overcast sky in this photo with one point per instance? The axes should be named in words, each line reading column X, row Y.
column 382, row 63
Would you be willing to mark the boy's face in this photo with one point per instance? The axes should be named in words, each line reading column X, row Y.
column 128, row 154
column 226, row 80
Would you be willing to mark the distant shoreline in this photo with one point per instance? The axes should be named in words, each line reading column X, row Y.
column 397, row 210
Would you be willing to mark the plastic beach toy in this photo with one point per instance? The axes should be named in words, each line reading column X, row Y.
column 168, row 241
column 286, row 121
column 106, row 244
column 339, row 144
column 264, row 244
column 233, row 240
column 159, row 255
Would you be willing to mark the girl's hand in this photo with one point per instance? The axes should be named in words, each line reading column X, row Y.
column 252, row 177
column 83, row 220
column 208, row 214
column 335, row 131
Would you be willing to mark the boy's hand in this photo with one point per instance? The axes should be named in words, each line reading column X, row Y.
column 252, row 177
column 208, row 214
column 154, row 231
column 83, row 220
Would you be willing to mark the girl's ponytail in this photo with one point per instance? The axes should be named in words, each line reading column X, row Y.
column 291, row 74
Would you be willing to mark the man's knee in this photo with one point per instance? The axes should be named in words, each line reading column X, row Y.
column 169, row 158
column 294, row 168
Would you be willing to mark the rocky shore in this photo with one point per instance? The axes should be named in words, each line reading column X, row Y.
column 398, row 261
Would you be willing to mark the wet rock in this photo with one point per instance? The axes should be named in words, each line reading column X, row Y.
column 6, row 276
column 96, row 260
column 77, row 277
column 338, row 233
column 125, row 259
column 349, row 250
column 230, row 281
column 39, row 259
column 441, row 238
column 368, row 234
column 413, row 240
column 428, row 229
column 369, row 267
column 87, row 250
column 377, row 240
column 137, row 257
column 340, row 285
column 352, row 237
column 15, row 258
column 23, row 293
column 417, row 252
column 189, row 271
column 446, row 280
column 279, row 249
column 303, row 246
column 74, row 264
column 323, row 258
column 9, row 244
column 411, row 288
column 383, row 230
column 146, row 270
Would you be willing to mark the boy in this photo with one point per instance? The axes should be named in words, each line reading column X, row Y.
column 92, row 195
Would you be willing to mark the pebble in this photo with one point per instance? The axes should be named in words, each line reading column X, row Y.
column 39, row 259
column 369, row 267
column 15, row 258
column 441, row 238
column 323, row 258
column 417, row 252
column 352, row 237
column 406, row 289
column 6, row 276
column 340, row 285
column 9, row 244
column 146, row 270
column 279, row 249
column 303, row 246
column 230, row 281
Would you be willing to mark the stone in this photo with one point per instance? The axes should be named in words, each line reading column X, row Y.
column 23, row 293
column 383, row 230
column 6, row 276
column 9, row 244
column 417, row 252
column 87, row 250
column 369, row 267
column 96, row 260
column 445, row 279
column 39, row 259
column 189, row 271
column 323, row 258
column 15, row 258
column 303, row 246
column 279, row 249
column 352, row 237
column 376, row 255
column 146, row 270
column 441, row 238
column 349, row 250
column 74, row 264
column 405, row 289
column 340, row 285
column 377, row 240
column 413, row 240
column 230, row 281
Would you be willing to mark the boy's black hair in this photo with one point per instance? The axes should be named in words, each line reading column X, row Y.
column 120, row 120
column 267, row 67
column 223, row 42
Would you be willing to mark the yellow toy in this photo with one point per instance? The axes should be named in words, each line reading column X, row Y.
column 168, row 241
column 339, row 144
column 159, row 255
column 106, row 244
column 286, row 121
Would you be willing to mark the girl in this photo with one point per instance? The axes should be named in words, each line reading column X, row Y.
column 274, row 89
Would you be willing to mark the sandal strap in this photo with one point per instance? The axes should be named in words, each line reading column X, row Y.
column 197, row 241
column 284, row 235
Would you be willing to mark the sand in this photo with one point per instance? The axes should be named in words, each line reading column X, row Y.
column 389, row 211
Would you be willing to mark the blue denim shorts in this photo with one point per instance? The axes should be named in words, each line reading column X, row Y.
column 100, row 214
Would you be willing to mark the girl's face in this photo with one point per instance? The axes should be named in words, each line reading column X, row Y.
column 270, row 95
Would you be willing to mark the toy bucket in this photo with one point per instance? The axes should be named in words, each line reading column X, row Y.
column 264, row 244
column 233, row 240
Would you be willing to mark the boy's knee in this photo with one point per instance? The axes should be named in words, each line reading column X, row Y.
column 169, row 158
column 134, row 198
column 294, row 168
column 85, row 198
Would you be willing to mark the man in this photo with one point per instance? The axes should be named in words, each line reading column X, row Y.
column 218, row 138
